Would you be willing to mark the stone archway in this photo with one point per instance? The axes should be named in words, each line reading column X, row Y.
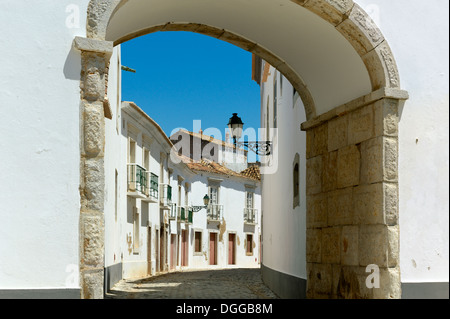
column 352, row 153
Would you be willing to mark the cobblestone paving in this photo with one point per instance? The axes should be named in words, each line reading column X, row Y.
column 196, row 284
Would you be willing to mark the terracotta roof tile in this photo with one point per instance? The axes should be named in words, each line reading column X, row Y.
column 252, row 172
column 213, row 167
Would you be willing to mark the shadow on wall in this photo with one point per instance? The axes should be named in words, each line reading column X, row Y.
column 72, row 66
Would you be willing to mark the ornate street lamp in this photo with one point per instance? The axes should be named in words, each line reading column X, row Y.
column 235, row 124
column 196, row 209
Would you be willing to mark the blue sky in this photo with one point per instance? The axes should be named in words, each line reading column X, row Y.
column 183, row 76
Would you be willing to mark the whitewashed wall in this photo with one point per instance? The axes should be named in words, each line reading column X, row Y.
column 232, row 197
column 40, row 143
column 284, row 228
column 418, row 33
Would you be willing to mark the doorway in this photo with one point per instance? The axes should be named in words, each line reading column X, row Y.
column 213, row 248
column 184, row 248
column 231, row 249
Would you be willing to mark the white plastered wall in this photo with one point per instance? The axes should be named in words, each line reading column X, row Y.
column 40, row 160
column 284, row 228
column 418, row 33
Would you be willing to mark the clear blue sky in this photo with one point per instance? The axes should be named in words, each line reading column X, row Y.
column 183, row 76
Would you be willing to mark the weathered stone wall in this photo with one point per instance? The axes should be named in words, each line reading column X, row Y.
column 95, row 59
column 352, row 202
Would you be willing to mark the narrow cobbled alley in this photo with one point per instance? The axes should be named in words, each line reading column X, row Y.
column 196, row 284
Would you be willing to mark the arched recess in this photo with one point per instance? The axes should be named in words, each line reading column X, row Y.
column 335, row 57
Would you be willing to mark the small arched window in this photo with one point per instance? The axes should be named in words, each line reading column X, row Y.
column 296, row 181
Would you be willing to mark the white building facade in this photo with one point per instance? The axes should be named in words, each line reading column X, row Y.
column 152, row 227
column 53, row 233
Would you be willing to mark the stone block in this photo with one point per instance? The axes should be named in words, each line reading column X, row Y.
column 93, row 45
column 390, row 284
column 372, row 163
column 333, row 11
column 94, row 129
column 338, row 133
column 382, row 67
column 393, row 233
column 373, row 245
column 368, row 204
column 329, row 172
column 361, row 125
column 94, row 68
column 379, row 160
column 209, row 31
column 314, row 167
column 237, row 40
column 316, row 215
column 331, row 245
column 92, row 239
column 317, row 141
column 94, row 185
column 351, row 283
column 349, row 246
column 390, row 159
column 320, row 280
column 361, row 31
column 92, row 284
column 391, row 203
column 313, row 245
column 348, row 166
column 386, row 117
column 340, row 207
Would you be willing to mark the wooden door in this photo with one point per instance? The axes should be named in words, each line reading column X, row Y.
column 161, row 249
column 212, row 248
column 173, row 251
column 157, row 250
column 231, row 249
column 184, row 247
column 149, row 251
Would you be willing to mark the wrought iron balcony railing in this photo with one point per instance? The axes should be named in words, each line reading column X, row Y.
column 214, row 212
column 151, row 191
column 250, row 216
column 190, row 217
column 137, row 181
column 181, row 214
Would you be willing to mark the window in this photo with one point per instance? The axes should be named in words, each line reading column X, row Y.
column 131, row 151
column 249, row 248
column 198, row 242
column 249, row 201
column 296, row 181
column 214, row 195
column 146, row 159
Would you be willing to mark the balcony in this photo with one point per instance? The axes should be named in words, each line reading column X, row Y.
column 214, row 212
column 137, row 181
column 185, row 214
column 250, row 216
column 166, row 196
column 151, row 191
column 181, row 214
column 190, row 215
